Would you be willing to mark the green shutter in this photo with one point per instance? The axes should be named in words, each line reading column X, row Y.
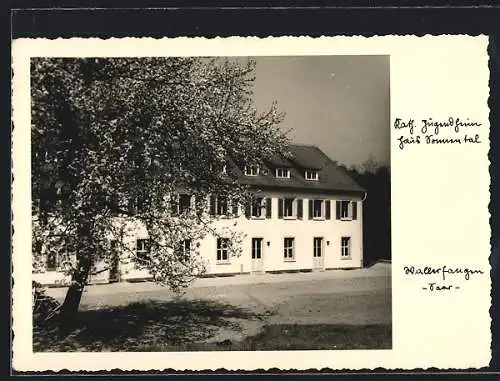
column 310, row 209
column 280, row 208
column 268, row 207
column 299, row 209
column 327, row 209
column 354, row 210
column 337, row 210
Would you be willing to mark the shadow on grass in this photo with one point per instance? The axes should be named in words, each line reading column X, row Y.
column 319, row 336
column 145, row 326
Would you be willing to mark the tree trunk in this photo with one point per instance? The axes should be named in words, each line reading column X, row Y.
column 71, row 304
column 69, row 308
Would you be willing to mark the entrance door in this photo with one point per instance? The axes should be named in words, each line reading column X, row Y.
column 318, row 253
column 114, row 271
column 257, row 261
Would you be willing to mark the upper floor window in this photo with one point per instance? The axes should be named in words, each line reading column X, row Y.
column 289, row 208
column 180, row 203
column 257, row 207
column 221, row 169
column 311, row 174
column 319, row 209
column 282, row 173
column 347, row 210
column 252, row 170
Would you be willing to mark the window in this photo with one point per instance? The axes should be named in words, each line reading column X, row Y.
column 222, row 250
column 317, row 208
column 288, row 207
column 219, row 206
column 180, row 203
column 347, row 210
column 184, row 202
column 257, row 206
column 311, row 174
column 318, row 247
column 282, row 173
column 288, row 253
column 252, row 170
column 256, row 248
column 52, row 261
column 184, row 249
column 142, row 249
column 345, row 247
column 344, row 209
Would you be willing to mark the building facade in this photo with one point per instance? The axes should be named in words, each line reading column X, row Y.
column 308, row 216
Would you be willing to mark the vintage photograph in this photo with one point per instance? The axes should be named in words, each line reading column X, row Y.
column 211, row 203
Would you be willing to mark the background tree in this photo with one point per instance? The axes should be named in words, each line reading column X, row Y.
column 375, row 178
column 113, row 139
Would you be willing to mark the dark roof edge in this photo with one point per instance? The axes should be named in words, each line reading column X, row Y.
column 295, row 189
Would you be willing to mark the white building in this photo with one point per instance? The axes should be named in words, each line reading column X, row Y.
column 308, row 216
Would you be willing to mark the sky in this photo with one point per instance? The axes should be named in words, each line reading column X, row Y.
column 339, row 103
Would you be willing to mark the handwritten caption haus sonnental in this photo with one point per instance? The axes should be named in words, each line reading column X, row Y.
column 451, row 131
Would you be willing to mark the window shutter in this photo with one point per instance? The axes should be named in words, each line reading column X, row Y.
column 310, row 209
column 212, row 205
column 327, row 209
column 280, row 207
column 299, row 209
column 354, row 210
column 337, row 210
column 247, row 209
column 268, row 207
column 235, row 207
column 173, row 204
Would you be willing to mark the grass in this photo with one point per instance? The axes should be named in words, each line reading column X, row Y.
column 320, row 336
column 196, row 325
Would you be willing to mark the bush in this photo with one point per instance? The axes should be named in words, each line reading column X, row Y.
column 45, row 308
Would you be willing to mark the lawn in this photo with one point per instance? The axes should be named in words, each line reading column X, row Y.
column 200, row 325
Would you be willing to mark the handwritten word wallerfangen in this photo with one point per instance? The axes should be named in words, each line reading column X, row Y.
column 452, row 131
column 442, row 272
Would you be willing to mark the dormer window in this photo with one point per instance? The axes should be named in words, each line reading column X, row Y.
column 311, row 174
column 252, row 170
column 282, row 173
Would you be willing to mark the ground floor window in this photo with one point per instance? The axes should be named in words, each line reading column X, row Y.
column 318, row 247
column 52, row 261
column 142, row 250
column 222, row 250
column 184, row 248
column 288, row 251
column 345, row 247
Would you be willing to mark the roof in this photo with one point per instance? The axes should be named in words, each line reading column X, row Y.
column 332, row 177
